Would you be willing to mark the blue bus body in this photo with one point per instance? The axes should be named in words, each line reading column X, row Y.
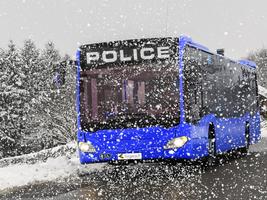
column 149, row 142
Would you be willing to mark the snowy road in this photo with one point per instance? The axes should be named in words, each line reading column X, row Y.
column 233, row 178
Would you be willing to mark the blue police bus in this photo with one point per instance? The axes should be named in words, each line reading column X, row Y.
column 163, row 98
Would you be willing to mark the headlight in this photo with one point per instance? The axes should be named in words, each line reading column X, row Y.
column 176, row 143
column 86, row 147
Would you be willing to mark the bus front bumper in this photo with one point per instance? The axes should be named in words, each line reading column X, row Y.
column 193, row 149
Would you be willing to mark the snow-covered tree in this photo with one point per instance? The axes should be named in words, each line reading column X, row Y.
column 35, row 113
column 260, row 57
column 12, row 101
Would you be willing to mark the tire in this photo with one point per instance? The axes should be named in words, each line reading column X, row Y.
column 211, row 137
column 211, row 159
column 245, row 149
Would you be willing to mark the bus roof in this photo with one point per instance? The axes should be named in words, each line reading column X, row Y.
column 182, row 39
column 189, row 41
column 128, row 42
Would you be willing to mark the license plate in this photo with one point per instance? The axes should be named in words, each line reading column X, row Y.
column 129, row 156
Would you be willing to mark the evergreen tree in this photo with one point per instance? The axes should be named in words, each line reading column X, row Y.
column 32, row 82
column 35, row 113
column 12, row 101
column 260, row 57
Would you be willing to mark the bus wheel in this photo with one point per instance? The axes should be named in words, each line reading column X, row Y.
column 211, row 159
column 211, row 137
column 244, row 150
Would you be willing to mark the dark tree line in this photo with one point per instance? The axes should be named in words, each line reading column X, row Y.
column 260, row 57
column 37, row 110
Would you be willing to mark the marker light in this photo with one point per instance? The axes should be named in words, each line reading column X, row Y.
column 86, row 147
column 176, row 143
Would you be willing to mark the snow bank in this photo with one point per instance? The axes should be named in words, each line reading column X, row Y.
column 264, row 129
column 48, row 169
column 262, row 91
column 264, row 132
column 43, row 155
column 23, row 174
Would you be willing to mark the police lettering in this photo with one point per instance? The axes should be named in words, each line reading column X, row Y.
column 110, row 56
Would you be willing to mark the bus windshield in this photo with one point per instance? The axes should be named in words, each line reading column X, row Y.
column 129, row 97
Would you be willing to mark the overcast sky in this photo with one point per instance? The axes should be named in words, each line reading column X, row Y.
column 239, row 26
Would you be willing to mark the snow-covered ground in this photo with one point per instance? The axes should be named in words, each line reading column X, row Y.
column 54, row 168
column 23, row 174
column 49, row 165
